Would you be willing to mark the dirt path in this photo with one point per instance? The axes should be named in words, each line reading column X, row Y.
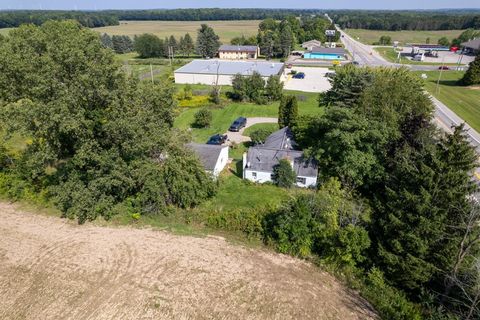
column 238, row 137
column 54, row 269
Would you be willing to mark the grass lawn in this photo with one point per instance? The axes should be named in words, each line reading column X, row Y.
column 391, row 55
column 223, row 117
column 267, row 126
column 404, row 37
column 226, row 30
column 464, row 101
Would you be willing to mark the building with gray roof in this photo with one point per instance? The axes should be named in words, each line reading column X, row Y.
column 213, row 158
column 221, row 72
column 260, row 161
column 237, row 52
column 472, row 46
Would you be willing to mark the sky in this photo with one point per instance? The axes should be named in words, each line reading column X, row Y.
column 152, row 4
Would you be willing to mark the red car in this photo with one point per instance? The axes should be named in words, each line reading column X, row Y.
column 443, row 68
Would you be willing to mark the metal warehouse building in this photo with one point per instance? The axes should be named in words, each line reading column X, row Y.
column 207, row 71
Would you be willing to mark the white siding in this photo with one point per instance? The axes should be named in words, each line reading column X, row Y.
column 257, row 176
column 309, row 182
column 221, row 162
column 208, row 79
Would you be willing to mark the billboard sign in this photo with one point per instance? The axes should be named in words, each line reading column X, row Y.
column 330, row 33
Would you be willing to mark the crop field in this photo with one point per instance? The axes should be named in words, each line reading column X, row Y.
column 52, row 268
column 464, row 101
column 226, row 30
column 371, row 36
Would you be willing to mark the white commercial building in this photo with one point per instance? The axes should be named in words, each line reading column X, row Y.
column 221, row 72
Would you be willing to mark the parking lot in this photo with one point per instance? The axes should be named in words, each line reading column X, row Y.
column 314, row 81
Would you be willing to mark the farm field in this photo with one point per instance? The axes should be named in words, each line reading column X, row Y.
column 371, row 36
column 4, row 31
column 52, row 268
column 464, row 101
column 226, row 30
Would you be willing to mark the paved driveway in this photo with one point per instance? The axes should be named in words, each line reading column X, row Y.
column 238, row 137
column 315, row 80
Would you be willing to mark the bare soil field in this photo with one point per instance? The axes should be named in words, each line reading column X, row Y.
column 226, row 30
column 55, row 269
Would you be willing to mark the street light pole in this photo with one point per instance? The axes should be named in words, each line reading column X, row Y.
column 439, row 76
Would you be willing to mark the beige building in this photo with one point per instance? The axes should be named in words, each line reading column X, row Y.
column 233, row 52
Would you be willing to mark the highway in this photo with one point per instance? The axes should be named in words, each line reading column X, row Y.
column 445, row 118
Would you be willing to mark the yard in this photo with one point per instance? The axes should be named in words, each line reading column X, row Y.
column 464, row 101
column 4, row 31
column 226, row 30
column 404, row 37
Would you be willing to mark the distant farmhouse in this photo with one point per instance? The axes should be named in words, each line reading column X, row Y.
column 472, row 46
column 309, row 45
column 213, row 158
column 215, row 71
column 260, row 161
column 326, row 53
column 234, row 52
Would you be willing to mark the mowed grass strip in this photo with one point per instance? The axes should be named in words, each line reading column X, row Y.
column 464, row 101
column 5, row 31
column 226, row 30
column 404, row 37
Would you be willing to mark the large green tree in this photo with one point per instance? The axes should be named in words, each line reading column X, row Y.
column 149, row 46
column 207, row 42
column 472, row 76
column 97, row 140
column 287, row 111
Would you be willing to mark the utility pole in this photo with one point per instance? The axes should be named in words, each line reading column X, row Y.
column 439, row 76
column 151, row 71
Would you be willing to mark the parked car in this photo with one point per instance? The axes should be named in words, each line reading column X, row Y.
column 238, row 124
column 299, row 75
column 356, row 62
column 443, row 68
column 217, row 139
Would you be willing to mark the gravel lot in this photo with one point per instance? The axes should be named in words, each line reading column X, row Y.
column 51, row 268
column 315, row 80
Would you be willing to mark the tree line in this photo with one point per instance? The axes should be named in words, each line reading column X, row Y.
column 406, row 20
column 10, row 19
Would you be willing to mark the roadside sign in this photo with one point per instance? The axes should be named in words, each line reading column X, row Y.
column 330, row 33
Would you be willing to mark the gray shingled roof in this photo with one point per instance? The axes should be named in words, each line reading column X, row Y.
column 310, row 42
column 473, row 44
column 265, row 159
column 225, row 67
column 207, row 153
column 279, row 145
column 234, row 48
column 281, row 140
column 321, row 50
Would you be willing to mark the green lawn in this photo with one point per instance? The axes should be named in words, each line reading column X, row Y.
column 268, row 126
column 223, row 117
column 391, row 55
column 464, row 101
column 404, row 37
column 4, row 31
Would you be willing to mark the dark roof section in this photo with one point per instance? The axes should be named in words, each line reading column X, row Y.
column 321, row 50
column 265, row 159
column 281, row 140
column 234, row 48
column 472, row 44
column 207, row 153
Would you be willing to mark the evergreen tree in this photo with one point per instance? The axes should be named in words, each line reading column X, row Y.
column 189, row 47
column 207, row 42
column 274, row 88
column 106, row 41
column 283, row 173
column 269, row 44
column 181, row 46
column 172, row 42
column 287, row 111
column 443, row 41
column 287, row 39
column 472, row 76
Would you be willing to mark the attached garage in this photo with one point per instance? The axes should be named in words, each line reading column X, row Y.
column 207, row 71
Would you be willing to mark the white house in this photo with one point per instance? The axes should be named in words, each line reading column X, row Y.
column 259, row 162
column 213, row 157
column 221, row 72
column 235, row 52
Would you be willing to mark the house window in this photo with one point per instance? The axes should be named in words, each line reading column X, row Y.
column 301, row 180
column 254, row 175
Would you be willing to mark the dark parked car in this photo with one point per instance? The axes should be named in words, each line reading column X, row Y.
column 299, row 75
column 217, row 139
column 238, row 124
column 443, row 68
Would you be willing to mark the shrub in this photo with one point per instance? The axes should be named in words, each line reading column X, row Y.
column 284, row 176
column 260, row 135
column 187, row 92
column 203, row 118
column 246, row 221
